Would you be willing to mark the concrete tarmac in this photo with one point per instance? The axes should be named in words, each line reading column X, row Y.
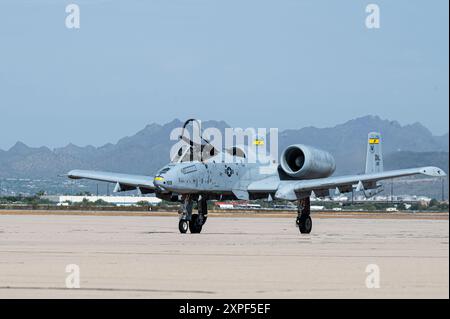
column 146, row 257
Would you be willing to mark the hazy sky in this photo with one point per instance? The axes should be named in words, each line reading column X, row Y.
column 285, row 64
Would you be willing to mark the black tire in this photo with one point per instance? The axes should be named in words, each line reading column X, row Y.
column 203, row 210
column 194, row 225
column 305, row 224
column 183, row 226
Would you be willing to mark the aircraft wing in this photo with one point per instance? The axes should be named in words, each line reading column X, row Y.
column 124, row 182
column 293, row 189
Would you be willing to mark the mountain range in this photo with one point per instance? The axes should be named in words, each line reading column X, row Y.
column 148, row 150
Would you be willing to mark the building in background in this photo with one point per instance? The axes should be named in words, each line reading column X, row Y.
column 115, row 200
column 236, row 205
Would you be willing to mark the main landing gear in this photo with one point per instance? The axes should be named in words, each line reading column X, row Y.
column 193, row 222
column 304, row 221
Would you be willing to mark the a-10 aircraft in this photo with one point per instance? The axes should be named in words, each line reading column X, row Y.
column 227, row 174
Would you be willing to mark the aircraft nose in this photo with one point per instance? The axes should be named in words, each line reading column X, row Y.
column 159, row 182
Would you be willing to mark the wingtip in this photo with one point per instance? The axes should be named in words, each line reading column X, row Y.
column 433, row 171
column 72, row 174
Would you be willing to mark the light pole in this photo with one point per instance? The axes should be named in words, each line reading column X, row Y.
column 392, row 190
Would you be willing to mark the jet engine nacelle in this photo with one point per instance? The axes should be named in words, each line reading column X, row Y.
column 306, row 162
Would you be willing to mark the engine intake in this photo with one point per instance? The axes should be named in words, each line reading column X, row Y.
column 306, row 162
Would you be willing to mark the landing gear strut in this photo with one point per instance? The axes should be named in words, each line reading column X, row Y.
column 185, row 214
column 304, row 221
column 193, row 222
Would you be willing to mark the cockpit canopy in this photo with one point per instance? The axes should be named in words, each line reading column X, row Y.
column 165, row 169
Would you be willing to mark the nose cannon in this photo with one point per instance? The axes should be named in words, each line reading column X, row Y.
column 159, row 182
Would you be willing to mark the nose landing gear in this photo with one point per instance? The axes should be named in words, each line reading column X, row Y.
column 193, row 222
column 195, row 225
column 185, row 214
column 183, row 226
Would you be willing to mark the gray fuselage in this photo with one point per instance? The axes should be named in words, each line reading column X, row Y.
column 211, row 177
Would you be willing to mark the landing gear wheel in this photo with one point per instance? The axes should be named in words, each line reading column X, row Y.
column 183, row 226
column 203, row 209
column 305, row 224
column 194, row 225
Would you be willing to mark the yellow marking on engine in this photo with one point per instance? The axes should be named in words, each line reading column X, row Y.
column 159, row 178
column 374, row 141
column 258, row 142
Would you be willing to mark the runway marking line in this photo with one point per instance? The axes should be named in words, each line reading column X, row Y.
column 107, row 289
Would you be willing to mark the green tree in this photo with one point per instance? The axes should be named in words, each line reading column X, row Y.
column 40, row 193
column 101, row 202
column 433, row 203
